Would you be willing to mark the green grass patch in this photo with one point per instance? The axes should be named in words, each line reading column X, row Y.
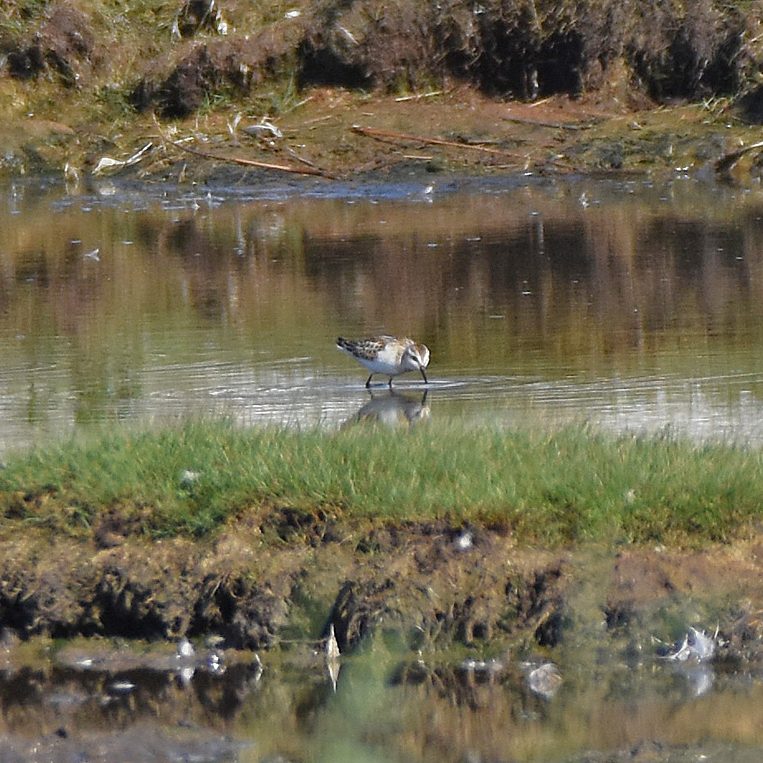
column 551, row 487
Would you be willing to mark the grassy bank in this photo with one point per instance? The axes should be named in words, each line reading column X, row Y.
column 567, row 485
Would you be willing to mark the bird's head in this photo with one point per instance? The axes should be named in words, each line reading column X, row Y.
column 416, row 357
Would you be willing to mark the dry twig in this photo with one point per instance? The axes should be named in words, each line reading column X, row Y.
column 307, row 170
column 554, row 125
column 371, row 132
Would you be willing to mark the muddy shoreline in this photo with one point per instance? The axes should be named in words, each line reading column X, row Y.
column 328, row 133
column 270, row 578
column 348, row 90
column 335, row 138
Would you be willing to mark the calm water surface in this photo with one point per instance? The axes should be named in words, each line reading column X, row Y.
column 379, row 711
column 626, row 304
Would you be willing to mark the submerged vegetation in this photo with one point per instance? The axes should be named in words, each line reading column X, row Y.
column 551, row 487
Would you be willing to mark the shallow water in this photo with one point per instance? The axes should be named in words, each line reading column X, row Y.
column 379, row 710
column 627, row 304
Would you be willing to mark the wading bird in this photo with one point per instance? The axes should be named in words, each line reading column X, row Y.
column 387, row 355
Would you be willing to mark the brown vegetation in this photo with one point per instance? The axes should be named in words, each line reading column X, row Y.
column 523, row 48
column 77, row 78
column 63, row 45
column 529, row 49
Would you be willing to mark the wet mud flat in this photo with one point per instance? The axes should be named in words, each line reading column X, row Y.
column 457, row 614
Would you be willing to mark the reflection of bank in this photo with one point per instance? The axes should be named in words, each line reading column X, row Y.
column 392, row 409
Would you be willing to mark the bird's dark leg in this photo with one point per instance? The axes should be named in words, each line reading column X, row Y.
column 390, row 382
column 368, row 381
column 426, row 381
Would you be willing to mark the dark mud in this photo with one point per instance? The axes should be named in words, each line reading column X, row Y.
column 290, row 574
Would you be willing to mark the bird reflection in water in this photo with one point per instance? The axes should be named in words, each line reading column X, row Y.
column 391, row 409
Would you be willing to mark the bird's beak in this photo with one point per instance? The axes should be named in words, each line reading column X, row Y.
column 426, row 381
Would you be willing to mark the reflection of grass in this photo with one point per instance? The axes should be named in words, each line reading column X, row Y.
column 558, row 486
